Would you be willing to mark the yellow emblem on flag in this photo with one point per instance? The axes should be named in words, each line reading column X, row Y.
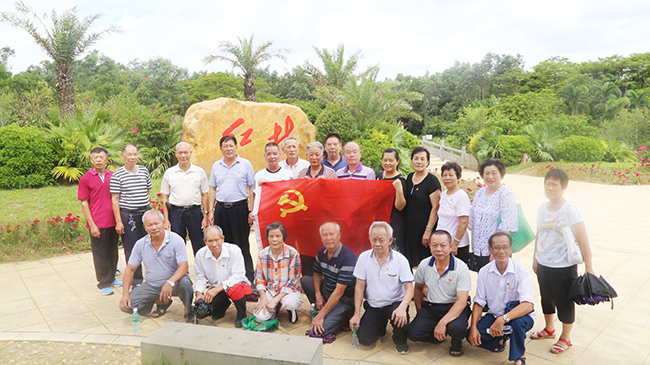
column 296, row 205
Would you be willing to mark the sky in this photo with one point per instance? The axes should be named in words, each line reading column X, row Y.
column 407, row 37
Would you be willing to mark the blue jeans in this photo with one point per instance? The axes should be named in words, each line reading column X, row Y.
column 519, row 325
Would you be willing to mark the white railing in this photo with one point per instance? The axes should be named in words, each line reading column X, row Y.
column 451, row 154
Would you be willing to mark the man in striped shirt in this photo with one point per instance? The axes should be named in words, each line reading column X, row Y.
column 130, row 186
column 332, row 286
column 354, row 169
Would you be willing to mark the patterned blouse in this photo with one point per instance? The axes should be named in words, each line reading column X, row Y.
column 281, row 274
column 484, row 213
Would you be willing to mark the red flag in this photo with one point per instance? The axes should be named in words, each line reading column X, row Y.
column 303, row 205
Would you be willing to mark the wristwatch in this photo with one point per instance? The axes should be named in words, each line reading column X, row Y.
column 171, row 283
column 506, row 318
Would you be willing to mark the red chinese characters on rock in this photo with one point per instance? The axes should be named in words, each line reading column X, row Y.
column 288, row 128
column 277, row 130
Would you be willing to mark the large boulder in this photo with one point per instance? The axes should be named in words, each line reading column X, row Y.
column 253, row 124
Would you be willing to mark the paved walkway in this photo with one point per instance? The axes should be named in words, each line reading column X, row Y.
column 56, row 299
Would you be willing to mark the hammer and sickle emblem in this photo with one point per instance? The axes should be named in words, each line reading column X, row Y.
column 296, row 205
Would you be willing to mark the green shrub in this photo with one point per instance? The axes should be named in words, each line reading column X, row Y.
column 372, row 146
column 334, row 119
column 571, row 125
column 26, row 158
column 579, row 149
column 513, row 147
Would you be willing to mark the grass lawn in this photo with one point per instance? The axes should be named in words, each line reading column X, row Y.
column 609, row 173
column 26, row 234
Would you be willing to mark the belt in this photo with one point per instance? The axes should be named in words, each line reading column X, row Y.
column 184, row 207
column 141, row 210
column 230, row 205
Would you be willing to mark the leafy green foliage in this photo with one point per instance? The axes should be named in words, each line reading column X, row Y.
column 75, row 137
column 629, row 126
column 617, row 151
column 529, row 107
column 334, row 119
column 542, row 139
column 579, row 149
column 26, row 158
column 571, row 125
column 513, row 148
column 487, row 145
column 372, row 146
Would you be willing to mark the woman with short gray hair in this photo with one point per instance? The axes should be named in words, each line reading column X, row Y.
column 316, row 169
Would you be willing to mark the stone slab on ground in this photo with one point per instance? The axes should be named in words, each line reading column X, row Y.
column 180, row 343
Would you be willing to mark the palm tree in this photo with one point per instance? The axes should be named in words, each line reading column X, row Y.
column 64, row 42
column 336, row 69
column 247, row 58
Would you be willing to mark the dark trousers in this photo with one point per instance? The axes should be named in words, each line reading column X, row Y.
column 132, row 233
column 374, row 321
column 463, row 254
column 104, row 250
column 188, row 222
column 427, row 318
column 234, row 223
column 554, row 285
column 221, row 302
column 145, row 296
column 337, row 316
column 519, row 325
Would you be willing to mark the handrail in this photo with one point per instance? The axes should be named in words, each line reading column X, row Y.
column 451, row 154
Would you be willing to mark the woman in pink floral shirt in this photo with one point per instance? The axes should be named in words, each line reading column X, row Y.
column 491, row 202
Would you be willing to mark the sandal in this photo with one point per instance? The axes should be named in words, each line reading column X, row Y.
column 191, row 318
column 456, row 353
column 161, row 309
column 542, row 334
column 561, row 346
column 502, row 346
column 522, row 359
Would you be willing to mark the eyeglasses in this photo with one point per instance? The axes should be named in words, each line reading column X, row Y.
column 501, row 248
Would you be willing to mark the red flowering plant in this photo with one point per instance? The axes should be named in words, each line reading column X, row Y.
column 643, row 153
column 36, row 239
column 157, row 203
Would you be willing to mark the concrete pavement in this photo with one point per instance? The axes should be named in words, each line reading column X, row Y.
column 56, row 299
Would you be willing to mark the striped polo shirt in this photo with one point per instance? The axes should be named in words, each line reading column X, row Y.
column 360, row 173
column 132, row 187
column 337, row 270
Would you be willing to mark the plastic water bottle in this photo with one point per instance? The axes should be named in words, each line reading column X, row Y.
column 313, row 312
column 135, row 321
column 507, row 330
column 355, row 336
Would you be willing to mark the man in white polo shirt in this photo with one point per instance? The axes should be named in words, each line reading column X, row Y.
column 292, row 162
column 386, row 279
column 272, row 172
column 504, row 286
column 184, row 191
column 354, row 169
column 446, row 310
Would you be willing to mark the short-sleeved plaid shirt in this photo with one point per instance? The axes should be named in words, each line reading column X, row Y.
column 281, row 274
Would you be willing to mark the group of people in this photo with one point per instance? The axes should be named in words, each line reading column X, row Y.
column 427, row 230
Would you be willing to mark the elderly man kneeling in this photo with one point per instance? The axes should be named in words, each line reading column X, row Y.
column 165, row 260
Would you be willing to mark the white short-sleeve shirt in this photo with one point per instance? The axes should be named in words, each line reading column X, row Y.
column 443, row 288
column 452, row 207
column 497, row 290
column 551, row 247
column 385, row 283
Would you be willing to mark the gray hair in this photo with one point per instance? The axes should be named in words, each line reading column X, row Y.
column 288, row 138
column 315, row 144
column 383, row 225
column 338, row 228
column 160, row 215
column 208, row 228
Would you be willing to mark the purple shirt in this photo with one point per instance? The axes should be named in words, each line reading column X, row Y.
column 360, row 173
column 98, row 194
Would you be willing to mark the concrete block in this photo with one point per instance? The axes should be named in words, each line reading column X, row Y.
column 186, row 344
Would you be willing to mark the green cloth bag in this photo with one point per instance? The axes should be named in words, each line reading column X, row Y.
column 524, row 235
column 251, row 325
